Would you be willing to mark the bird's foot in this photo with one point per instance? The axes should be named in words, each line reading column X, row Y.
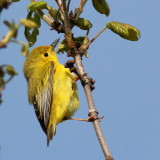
column 76, row 78
column 70, row 64
column 90, row 119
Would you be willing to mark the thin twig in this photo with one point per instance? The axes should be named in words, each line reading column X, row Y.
column 60, row 6
column 84, row 47
column 66, row 22
column 9, row 79
column 79, row 10
column 68, row 4
column 91, row 107
column 96, row 37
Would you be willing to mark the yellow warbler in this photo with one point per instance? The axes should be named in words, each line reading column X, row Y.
column 51, row 88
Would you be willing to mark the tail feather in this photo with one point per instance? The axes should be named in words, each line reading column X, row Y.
column 50, row 133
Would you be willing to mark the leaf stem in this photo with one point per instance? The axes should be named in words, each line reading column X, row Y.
column 85, row 46
column 68, row 4
column 8, row 80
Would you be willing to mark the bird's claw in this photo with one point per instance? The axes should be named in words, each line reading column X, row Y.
column 70, row 64
column 93, row 118
column 90, row 119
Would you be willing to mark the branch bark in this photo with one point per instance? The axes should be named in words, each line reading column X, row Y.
column 67, row 26
column 91, row 106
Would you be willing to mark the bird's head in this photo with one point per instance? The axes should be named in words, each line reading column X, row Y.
column 44, row 54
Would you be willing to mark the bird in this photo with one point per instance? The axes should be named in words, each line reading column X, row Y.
column 52, row 88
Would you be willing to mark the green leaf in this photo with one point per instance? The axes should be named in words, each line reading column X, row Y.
column 31, row 37
column 28, row 23
column 126, row 31
column 37, row 19
column 25, row 49
column 10, row 70
column 83, row 24
column 34, row 35
column 54, row 13
column 15, row 0
column 86, row 40
column 37, row 5
column 31, row 34
column 1, row 72
column 27, row 34
column 2, row 82
column 63, row 46
column 101, row 6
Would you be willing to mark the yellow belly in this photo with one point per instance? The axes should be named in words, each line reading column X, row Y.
column 65, row 97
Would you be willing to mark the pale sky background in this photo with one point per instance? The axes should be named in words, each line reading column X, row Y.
column 127, row 90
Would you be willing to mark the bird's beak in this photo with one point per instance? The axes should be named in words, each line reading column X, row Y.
column 54, row 44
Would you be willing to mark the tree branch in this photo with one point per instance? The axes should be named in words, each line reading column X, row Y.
column 67, row 27
column 77, row 55
column 87, row 87
column 92, row 110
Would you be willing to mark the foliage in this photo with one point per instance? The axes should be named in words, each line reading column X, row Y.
column 101, row 6
column 31, row 33
column 126, row 31
column 32, row 23
column 37, row 5
column 7, row 72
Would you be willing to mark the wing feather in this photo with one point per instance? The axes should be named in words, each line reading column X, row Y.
column 43, row 100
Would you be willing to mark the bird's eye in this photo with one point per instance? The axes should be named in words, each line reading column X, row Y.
column 46, row 54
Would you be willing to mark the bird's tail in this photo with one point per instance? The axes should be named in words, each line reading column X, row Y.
column 50, row 133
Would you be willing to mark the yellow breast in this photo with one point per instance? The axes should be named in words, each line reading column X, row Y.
column 65, row 96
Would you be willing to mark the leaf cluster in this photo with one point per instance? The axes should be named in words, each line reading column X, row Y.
column 5, row 71
column 13, row 32
column 124, row 30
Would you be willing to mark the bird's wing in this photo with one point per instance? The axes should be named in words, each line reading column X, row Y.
column 43, row 100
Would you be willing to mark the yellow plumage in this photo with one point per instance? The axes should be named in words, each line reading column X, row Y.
column 51, row 89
